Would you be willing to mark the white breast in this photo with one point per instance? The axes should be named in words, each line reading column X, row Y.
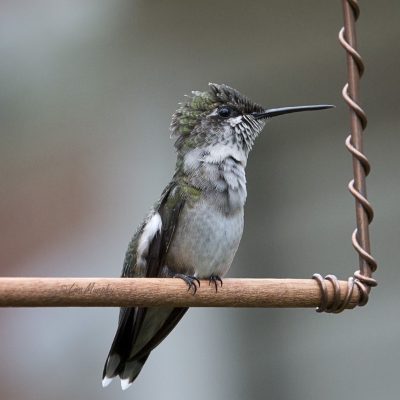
column 205, row 241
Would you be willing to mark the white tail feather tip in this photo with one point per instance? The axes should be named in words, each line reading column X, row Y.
column 106, row 381
column 125, row 384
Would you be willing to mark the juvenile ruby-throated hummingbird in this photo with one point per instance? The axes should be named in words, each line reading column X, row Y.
column 194, row 230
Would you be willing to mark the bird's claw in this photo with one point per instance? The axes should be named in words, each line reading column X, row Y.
column 215, row 279
column 192, row 281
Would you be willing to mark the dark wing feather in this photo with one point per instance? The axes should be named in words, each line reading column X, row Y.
column 131, row 319
column 174, row 317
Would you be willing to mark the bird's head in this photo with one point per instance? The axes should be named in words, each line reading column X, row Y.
column 222, row 116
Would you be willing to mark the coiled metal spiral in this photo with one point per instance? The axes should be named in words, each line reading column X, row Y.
column 362, row 278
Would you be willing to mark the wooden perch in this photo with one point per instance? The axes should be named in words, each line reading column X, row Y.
column 128, row 292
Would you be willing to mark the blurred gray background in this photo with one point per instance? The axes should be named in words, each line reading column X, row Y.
column 87, row 90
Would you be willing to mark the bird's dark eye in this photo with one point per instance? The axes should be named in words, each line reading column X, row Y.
column 225, row 112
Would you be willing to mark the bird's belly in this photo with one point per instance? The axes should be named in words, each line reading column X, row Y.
column 205, row 241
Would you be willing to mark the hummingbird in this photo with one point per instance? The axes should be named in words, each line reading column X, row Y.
column 194, row 229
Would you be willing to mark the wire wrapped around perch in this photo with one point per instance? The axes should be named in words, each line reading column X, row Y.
column 362, row 278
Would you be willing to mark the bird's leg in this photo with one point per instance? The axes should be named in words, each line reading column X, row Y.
column 192, row 281
column 215, row 279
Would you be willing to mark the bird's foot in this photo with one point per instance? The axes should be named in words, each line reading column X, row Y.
column 215, row 279
column 192, row 282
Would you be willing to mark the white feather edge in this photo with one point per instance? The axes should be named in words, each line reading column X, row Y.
column 150, row 230
column 106, row 381
column 125, row 384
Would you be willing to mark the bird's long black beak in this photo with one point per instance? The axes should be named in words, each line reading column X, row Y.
column 273, row 112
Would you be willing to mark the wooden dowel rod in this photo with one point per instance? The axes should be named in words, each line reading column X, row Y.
column 128, row 292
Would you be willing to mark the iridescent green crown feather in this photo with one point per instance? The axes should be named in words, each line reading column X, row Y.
column 190, row 112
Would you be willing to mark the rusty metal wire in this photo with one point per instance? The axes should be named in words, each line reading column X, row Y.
column 362, row 278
